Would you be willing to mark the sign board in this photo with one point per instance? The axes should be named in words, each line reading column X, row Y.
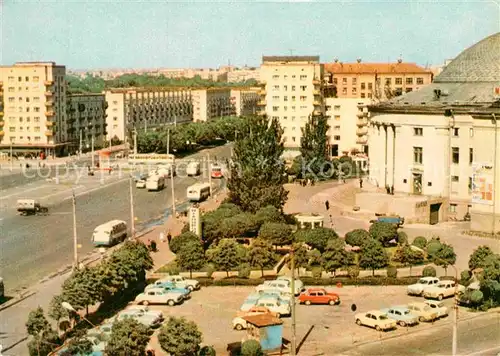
column 151, row 158
column 482, row 185
column 195, row 221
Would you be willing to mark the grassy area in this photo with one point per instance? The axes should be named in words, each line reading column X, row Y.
column 173, row 265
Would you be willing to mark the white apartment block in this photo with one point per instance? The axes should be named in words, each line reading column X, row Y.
column 241, row 75
column 292, row 93
column 348, row 121
column 146, row 108
column 33, row 112
column 212, row 103
column 86, row 121
column 244, row 101
column 442, row 143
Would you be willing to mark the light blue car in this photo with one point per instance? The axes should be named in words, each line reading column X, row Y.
column 171, row 287
column 402, row 315
column 253, row 298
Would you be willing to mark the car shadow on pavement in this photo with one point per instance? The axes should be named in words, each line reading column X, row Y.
column 5, row 299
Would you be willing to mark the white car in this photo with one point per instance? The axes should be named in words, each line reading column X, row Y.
column 443, row 289
column 140, row 184
column 179, row 281
column 146, row 310
column 375, row 319
column 424, row 282
column 299, row 286
column 159, row 296
column 239, row 323
column 282, row 286
column 279, row 309
column 423, row 311
column 438, row 307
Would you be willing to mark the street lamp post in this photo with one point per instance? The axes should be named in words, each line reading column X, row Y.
column 292, row 286
column 69, row 307
column 455, row 315
column 75, row 236
column 132, row 217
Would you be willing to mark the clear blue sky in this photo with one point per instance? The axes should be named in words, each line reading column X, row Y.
column 146, row 34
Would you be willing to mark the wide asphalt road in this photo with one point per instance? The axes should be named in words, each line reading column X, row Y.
column 35, row 246
column 476, row 337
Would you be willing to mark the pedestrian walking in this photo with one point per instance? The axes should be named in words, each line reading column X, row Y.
column 361, row 183
column 169, row 237
column 327, row 205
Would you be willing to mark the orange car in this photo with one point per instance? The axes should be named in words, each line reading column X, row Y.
column 318, row 296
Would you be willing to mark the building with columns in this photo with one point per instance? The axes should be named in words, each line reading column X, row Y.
column 209, row 103
column 442, row 142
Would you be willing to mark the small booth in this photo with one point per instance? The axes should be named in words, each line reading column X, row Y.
column 104, row 162
column 309, row 221
column 266, row 329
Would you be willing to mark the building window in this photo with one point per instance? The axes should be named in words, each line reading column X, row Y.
column 303, row 77
column 293, row 98
column 12, row 89
column 285, row 87
column 303, row 87
column 369, row 95
column 19, row 79
column 409, row 81
column 455, row 132
column 363, row 85
column 370, row 86
column 337, row 117
column 354, row 91
column 408, row 90
column 293, row 87
column 471, row 132
column 336, row 128
column 336, row 138
column 12, row 129
column 11, row 99
column 399, row 81
column 303, row 107
column 37, row 128
column 335, row 81
column 294, row 76
column 276, row 117
column 276, row 77
column 276, row 108
column 276, row 88
column 354, row 81
column 37, row 138
column 420, row 81
column 36, row 119
column 285, row 108
column 344, row 91
column 36, row 109
column 276, row 98
column 36, row 99
column 470, row 185
column 293, row 138
column 336, row 107
column 453, row 208
column 471, row 155
column 36, row 79
column 418, row 131
column 455, row 155
column 285, row 98
column 454, row 178
column 344, row 80
column 418, row 155
column 387, row 81
column 303, row 98
column 363, row 95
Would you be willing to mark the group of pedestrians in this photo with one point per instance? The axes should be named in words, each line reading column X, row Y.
column 152, row 243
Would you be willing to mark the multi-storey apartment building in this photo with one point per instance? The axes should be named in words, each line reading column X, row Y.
column 33, row 118
column 442, row 143
column 210, row 103
column 292, row 93
column 143, row 108
column 86, row 121
column 244, row 101
column 238, row 75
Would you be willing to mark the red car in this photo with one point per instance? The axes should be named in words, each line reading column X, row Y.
column 318, row 296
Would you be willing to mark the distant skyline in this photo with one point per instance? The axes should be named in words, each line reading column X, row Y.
column 105, row 34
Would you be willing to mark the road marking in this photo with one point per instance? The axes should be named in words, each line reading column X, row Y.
column 64, row 191
column 496, row 348
column 22, row 192
column 98, row 188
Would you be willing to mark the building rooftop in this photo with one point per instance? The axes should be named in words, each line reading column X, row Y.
column 263, row 320
column 375, row 68
column 290, row 59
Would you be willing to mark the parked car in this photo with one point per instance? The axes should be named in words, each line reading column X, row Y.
column 438, row 307
column 253, row 298
column 239, row 323
column 423, row 311
column 191, row 284
column 285, row 297
column 102, row 331
column 140, row 184
column 318, row 296
column 395, row 220
column 172, row 287
column 443, row 289
column 145, row 319
column 465, row 297
column 375, row 319
column 146, row 310
column 424, row 282
column 281, row 285
column 299, row 286
column 159, row 296
column 402, row 315
column 275, row 306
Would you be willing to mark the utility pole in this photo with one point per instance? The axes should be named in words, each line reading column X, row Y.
column 11, row 158
column 75, row 236
column 173, row 190
column 455, row 314
column 132, row 217
column 209, row 173
column 168, row 141
column 80, row 146
column 135, row 141
column 292, row 285
column 92, row 144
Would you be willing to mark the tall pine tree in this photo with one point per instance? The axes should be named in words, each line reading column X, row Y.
column 257, row 171
column 314, row 144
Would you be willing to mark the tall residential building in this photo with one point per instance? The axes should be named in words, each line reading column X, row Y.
column 86, row 122
column 292, row 92
column 143, row 108
column 440, row 146
column 33, row 118
column 210, row 103
column 377, row 81
column 244, row 101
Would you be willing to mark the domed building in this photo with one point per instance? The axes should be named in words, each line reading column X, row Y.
column 438, row 148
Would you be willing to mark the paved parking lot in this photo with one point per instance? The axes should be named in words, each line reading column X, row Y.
column 333, row 327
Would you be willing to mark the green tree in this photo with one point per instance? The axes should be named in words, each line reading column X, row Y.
column 383, row 232
column 432, row 248
column 243, row 224
column 445, row 256
column 185, row 238
column 128, row 337
column 251, row 348
column 491, row 268
column 420, row 242
column 429, row 271
column 44, row 343
column 191, row 257
column 476, row 259
column 373, row 256
column 314, row 144
column 407, row 256
column 258, row 171
column 37, row 322
column 315, row 258
column 226, row 255
column 261, row 254
column 301, row 258
column 79, row 345
column 279, row 234
column 269, row 214
column 212, row 220
column 207, row 351
column 56, row 310
column 357, row 237
column 402, row 238
column 180, row 337
column 336, row 256
column 317, row 238
column 83, row 288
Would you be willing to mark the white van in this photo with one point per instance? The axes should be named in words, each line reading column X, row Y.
column 166, row 170
column 198, row 191
column 155, row 182
column 110, row 233
column 193, row 169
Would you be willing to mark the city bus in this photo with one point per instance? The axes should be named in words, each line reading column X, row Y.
column 216, row 171
column 198, row 192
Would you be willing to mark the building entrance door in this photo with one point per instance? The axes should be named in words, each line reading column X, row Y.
column 417, row 183
column 434, row 216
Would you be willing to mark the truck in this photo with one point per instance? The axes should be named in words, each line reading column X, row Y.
column 395, row 220
column 31, row 207
column 193, row 168
column 155, row 182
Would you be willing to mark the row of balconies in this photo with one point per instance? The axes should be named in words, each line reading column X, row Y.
column 363, row 140
column 362, row 131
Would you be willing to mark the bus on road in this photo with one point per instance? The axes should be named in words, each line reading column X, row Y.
column 198, row 192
